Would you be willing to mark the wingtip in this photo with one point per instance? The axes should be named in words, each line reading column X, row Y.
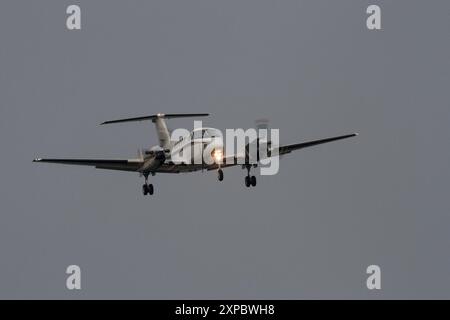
column 37, row 160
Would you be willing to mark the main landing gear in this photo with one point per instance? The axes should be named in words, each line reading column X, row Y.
column 147, row 188
column 249, row 180
column 220, row 175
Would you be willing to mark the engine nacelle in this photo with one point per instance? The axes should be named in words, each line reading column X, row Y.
column 155, row 159
column 257, row 149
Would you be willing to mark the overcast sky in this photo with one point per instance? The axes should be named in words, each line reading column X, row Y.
column 311, row 67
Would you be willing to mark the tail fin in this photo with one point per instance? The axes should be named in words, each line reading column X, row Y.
column 160, row 124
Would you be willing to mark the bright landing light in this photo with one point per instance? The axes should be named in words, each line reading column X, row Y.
column 218, row 155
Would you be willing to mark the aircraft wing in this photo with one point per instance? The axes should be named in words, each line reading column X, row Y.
column 233, row 160
column 289, row 148
column 132, row 165
column 117, row 164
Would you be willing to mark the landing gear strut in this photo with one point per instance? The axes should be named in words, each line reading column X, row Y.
column 147, row 188
column 249, row 180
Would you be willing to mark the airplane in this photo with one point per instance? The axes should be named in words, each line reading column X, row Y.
column 157, row 159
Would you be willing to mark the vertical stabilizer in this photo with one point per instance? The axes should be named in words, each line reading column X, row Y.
column 162, row 132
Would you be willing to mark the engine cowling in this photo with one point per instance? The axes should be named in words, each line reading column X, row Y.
column 255, row 149
column 155, row 158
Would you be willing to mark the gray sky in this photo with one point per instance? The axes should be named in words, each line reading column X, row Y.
column 311, row 67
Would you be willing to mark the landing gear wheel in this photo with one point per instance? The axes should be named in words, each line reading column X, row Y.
column 145, row 189
column 150, row 189
column 220, row 175
column 253, row 181
column 247, row 181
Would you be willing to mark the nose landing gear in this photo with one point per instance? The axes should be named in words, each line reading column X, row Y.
column 220, row 175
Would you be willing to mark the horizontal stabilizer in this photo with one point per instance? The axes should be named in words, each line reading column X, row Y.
column 159, row 115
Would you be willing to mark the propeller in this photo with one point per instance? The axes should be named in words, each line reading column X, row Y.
column 263, row 123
